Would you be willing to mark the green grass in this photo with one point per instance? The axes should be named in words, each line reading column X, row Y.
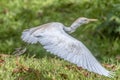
column 36, row 63
column 46, row 68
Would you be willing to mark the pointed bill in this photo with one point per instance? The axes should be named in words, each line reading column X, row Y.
column 92, row 19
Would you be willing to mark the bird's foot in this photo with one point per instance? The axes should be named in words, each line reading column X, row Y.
column 19, row 51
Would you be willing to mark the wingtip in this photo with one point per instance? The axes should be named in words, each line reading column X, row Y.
column 111, row 74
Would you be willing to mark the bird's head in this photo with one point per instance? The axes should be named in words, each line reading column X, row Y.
column 80, row 21
column 83, row 20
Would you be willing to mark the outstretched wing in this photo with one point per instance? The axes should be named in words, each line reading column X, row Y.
column 59, row 43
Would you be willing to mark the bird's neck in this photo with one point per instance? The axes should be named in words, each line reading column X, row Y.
column 73, row 27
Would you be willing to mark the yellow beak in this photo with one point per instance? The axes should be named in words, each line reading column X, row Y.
column 92, row 20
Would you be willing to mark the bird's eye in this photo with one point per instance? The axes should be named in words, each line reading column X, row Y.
column 85, row 19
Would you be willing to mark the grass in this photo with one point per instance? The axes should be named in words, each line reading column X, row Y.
column 46, row 68
column 36, row 63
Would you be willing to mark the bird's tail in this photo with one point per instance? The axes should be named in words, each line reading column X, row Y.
column 27, row 36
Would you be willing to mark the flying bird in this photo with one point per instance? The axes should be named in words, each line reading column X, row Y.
column 55, row 39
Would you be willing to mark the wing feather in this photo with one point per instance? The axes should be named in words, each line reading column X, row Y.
column 61, row 44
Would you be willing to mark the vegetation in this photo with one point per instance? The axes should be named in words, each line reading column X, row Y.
column 102, row 38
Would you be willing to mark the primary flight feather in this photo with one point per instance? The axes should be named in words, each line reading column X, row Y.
column 55, row 38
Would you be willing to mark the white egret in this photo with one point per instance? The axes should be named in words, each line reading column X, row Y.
column 55, row 38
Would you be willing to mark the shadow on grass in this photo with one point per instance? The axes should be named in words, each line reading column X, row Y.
column 29, row 74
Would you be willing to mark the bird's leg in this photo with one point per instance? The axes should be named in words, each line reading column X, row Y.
column 20, row 50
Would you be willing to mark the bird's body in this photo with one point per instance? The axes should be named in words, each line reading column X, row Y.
column 55, row 39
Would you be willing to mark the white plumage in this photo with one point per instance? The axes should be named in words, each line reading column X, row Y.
column 53, row 36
